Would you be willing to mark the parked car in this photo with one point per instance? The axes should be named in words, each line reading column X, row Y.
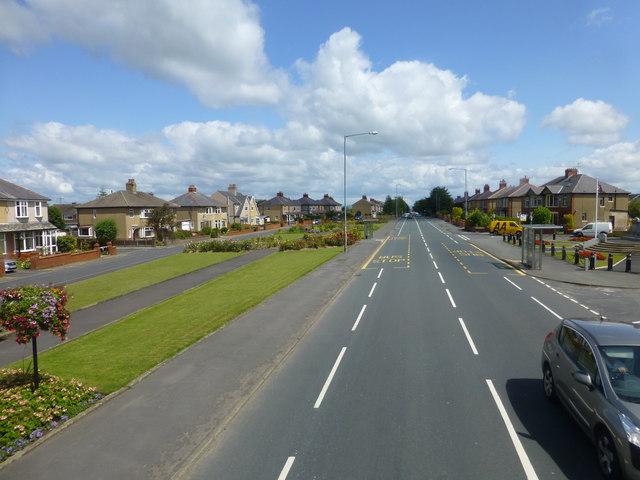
column 10, row 265
column 593, row 229
column 593, row 368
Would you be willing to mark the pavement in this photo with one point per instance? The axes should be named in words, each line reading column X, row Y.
column 161, row 424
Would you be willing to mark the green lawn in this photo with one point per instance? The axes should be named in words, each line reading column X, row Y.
column 113, row 356
column 110, row 285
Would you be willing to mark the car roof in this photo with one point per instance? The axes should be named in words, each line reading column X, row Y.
column 608, row 332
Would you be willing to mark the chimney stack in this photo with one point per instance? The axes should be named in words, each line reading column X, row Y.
column 131, row 185
column 503, row 184
column 570, row 172
column 487, row 187
column 233, row 190
column 192, row 189
column 524, row 180
column 280, row 194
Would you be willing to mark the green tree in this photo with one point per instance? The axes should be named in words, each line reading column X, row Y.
column 567, row 221
column 634, row 208
column 55, row 217
column 106, row 231
column 161, row 220
column 389, row 207
column 541, row 215
column 102, row 192
column 439, row 200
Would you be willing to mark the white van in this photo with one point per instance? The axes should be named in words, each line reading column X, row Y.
column 593, row 229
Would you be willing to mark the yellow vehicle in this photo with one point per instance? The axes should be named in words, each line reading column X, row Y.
column 495, row 225
column 505, row 227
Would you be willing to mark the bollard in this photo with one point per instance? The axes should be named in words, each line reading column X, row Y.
column 553, row 249
column 592, row 261
column 627, row 266
column 554, row 235
column 520, row 241
column 542, row 246
column 610, row 262
column 586, row 264
column 576, row 257
column 564, row 253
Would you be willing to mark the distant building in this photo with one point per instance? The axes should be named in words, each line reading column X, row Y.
column 197, row 211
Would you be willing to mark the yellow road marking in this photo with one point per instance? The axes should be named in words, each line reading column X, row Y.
column 374, row 254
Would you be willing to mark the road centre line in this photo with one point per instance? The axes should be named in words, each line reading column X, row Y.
column 522, row 455
column 372, row 289
column 330, row 378
column 380, row 274
column 435, row 265
column 441, row 279
column 450, row 298
column 430, row 256
column 547, row 308
column 469, row 339
column 355, row 325
column 512, row 283
column 286, row 468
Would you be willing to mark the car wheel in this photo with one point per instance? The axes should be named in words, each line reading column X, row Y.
column 548, row 384
column 607, row 458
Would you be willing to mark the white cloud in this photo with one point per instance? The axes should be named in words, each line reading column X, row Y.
column 599, row 16
column 588, row 122
column 213, row 47
column 420, row 109
column 616, row 164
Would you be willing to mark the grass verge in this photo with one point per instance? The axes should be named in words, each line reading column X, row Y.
column 110, row 285
column 113, row 356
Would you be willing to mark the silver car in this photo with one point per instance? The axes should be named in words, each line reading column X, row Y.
column 593, row 368
column 10, row 265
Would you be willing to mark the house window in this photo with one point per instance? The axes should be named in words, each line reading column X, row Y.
column 565, row 200
column 145, row 212
column 22, row 209
column 610, row 198
column 146, row 232
column 85, row 232
column 602, row 201
column 209, row 211
column 38, row 207
column 527, row 201
column 584, row 217
column 131, row 213
column 94, row 213
column 3, row 244
column 68, row 217
column 28, row 243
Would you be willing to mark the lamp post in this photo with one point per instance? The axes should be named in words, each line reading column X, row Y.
column 396, row 201
column 466, row 210
column 345, row 180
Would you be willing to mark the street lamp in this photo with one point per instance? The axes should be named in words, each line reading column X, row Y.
column 345, row 180
column 466, row 210
column 396, row 201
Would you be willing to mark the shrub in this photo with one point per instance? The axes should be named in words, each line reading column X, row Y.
column 456, row 212
column 180, row 234
column 106, row 230
column 236, row 226
column 477, row 219
column 567, row 221
column 67, row 244
column 541, row 215
column 214, row 233
column 206, row 230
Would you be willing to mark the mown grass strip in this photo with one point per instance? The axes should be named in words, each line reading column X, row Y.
column 113, row 356
column 110, row 285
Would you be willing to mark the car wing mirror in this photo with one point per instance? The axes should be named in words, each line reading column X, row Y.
column 583, row 378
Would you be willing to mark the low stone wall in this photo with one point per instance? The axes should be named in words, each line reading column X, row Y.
column 47, row 261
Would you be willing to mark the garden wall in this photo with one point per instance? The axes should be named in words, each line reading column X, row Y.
column 47, row 261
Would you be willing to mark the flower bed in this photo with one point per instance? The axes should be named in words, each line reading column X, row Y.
column 27, row 415
column 588, row 254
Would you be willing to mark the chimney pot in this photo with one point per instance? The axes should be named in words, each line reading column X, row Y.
column 192, row 189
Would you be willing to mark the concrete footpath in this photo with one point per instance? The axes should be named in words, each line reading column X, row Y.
column 155, row 427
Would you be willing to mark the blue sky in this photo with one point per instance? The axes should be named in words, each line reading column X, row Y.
column 260, row 94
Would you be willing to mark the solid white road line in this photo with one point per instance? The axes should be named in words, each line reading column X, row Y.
column 380, row 274
column 469, row 339
column 524, row 459
column 441, row 279
column 372, row 289
column 512, row 283
column 450, row 298
column 330, row 378
column 546, row 308
column 286, row 468
column 355, row 325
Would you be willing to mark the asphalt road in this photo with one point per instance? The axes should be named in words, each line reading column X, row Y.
column 425, row 366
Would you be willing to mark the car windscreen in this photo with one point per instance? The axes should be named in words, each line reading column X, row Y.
column 623, row 366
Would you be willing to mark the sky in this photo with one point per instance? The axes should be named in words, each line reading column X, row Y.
column 262, row 94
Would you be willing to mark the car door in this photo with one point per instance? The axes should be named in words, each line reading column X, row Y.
column 588, row 400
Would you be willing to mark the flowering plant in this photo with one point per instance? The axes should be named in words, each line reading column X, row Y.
column 588, row 254
column 29, row 309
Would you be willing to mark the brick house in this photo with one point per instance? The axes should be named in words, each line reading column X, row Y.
column 240, row 208
column 24, row 221
column 368, row 207
column 281, row 209
column 197, row 211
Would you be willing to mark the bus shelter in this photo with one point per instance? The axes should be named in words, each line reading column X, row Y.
column 532, row 244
